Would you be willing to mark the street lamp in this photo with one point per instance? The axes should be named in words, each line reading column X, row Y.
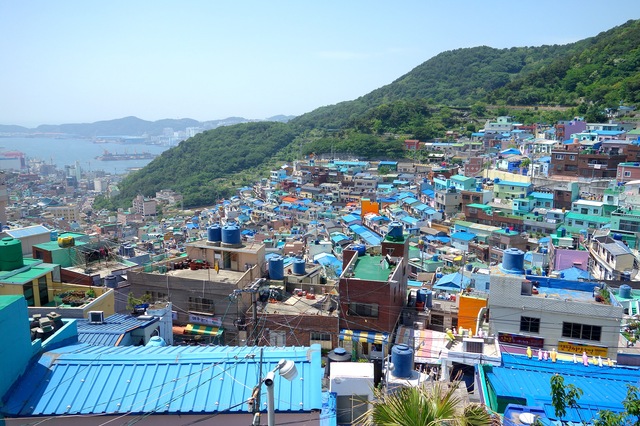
column 288, row 370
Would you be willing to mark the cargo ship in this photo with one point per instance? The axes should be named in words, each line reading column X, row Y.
column 108, row 156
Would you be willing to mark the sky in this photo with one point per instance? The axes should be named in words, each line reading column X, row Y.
column 69, row 61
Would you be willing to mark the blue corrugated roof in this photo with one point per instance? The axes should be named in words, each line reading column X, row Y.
column 369, row 237
column 463, row 236
column 84, row 379
column 604, row 388
column 542, row 195
column 109, row 332
column 511, row 183
column 350, row 218
column 28, row 231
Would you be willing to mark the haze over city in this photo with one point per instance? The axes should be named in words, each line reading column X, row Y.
column 73, row 61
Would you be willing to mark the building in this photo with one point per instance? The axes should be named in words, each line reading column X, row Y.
column 373, row 293
column 144, row 206
column 570, row 320
column 611, row 258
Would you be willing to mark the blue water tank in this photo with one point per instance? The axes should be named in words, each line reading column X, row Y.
column 543, row 250
column 156, row 342
column 624, row 292
column 214, row 233
column 395, row 230
column 360, row 248
column 421, row 295
column 231, row 235
column 617, row 237
column 513, row 260
column 111, row 281
column 299, row 267
column 402, row 359
column 129, row 251
column 496, row 180
column 435, row 258
column 276, row 268
column 53, row 235
column 528, row 272
column 429, row 303
column 468, row 267
column 562, row 232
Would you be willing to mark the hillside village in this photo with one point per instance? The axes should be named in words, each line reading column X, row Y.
column 504, row 259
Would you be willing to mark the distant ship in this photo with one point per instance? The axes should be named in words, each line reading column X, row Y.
column 108, row 156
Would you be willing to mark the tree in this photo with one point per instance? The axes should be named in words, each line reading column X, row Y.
column 424, row 405
column 630, row 415
column 563, row 396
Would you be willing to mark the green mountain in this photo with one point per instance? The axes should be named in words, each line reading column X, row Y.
column 453, row 90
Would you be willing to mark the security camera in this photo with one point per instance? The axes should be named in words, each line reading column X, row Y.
column 268, row 380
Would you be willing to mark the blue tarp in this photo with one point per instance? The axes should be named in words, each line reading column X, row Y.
column 366, row 235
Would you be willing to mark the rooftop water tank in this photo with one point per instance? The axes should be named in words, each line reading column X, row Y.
column 53, row 235
column 214, row 233
column 421, row 296
column 395, row 231
column 111, row 281
column 360, row 248
column 337, row 355
column 625, row 276
column 624, row 292
column 617, row 237
column 276, row 268
column 66, row 242
column 468, row 267
column 435, row 258
column 10, row 254
column 513, row 260
column 231, row 235
column 402, row 359
column 299, row 267
column 561, row 232
column 429, row 303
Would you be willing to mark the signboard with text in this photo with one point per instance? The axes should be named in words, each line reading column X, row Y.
column 520, row 340
column 579, row 348
column 215, row 321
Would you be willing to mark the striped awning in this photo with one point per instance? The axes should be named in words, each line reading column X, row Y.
column 202, row 329
column 364, row 336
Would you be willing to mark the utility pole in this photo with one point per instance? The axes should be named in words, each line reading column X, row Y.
column 253, row 290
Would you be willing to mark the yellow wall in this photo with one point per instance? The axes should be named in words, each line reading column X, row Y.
column 511, row 177
column 468, row 311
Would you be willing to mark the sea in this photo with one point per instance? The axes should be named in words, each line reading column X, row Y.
column 65, row 152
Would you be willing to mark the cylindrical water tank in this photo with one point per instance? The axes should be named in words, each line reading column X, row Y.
column 513, row 260
column 337, row 355
column 10, row 254
column 129, row 251
column 360, row 248
column 562, row 232
column 395, row 230
column 421, row 296
column 402, row 359
column 231, row 235
column 625, row 291
column 429, row 303
column 299, row 267
column 53, row 235
column 214, row 233
column 276, row 268
column 435, row 258
column 617, row 237
column 468, row 267
column 156, row 342
column 111, row 281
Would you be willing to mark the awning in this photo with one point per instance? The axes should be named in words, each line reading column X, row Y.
column 364, row 336
column 206, row 330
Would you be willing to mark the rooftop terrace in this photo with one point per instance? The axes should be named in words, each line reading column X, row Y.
column 373, row 268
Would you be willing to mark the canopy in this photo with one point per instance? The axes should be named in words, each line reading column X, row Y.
column 364, row 336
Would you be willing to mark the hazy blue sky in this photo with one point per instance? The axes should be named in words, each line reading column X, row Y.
column 81, row 61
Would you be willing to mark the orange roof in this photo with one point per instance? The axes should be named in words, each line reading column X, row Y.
column 290, row 199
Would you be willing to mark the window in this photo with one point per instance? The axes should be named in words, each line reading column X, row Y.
column 350, row 407
column 559, row 156
column 584, row 211
column 581, row 331
column 530, row 325
column 572, row 157
column 200, row 304
column 277, row 338
column 363, row 309
column 627, row 174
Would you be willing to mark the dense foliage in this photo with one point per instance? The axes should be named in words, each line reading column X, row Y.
column 454, row 91
column 197, row 167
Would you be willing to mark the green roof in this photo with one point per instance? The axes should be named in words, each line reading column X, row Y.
column 479, row 206
column 368, row 268
column 28, row 275
column 587, row 217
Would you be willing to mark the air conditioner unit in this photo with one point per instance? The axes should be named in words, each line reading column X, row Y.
column 96, row 317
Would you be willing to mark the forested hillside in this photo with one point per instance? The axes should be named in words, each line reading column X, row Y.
column 456, row 90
